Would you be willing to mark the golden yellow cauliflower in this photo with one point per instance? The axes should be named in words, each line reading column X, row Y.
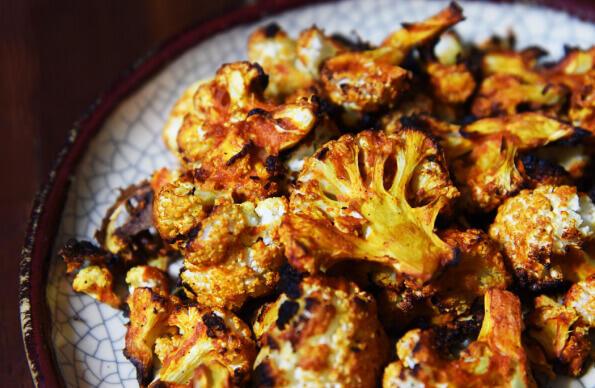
column 371, row 197
column 495, row 359
column 581, row 297
column 235, row 254
column 370, row 80
column 536, row 224
column 291, row 64
column 213, row 342
column 324, row 333
column 148, row 320
column 561, row 332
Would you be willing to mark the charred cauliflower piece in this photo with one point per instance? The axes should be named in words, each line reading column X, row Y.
column 291, row 64
column 480, row 268
column 537, row 224
column 492, row 172
column 183, row 106
column 235, row 253
column 369, row 80
column 90, row 266
column 561, row 332
column 371, row 197
column 207, row 344
column 576, row 71
column 233, row 136
column 325, row 333
column 581, row 297
column 495, row 359
column 578, row 264
column 146, row 276
column 98, row 283
column 148, row 320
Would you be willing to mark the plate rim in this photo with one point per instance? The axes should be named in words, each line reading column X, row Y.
column 49, row 201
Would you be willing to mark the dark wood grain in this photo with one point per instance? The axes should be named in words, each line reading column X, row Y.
column 55, row 58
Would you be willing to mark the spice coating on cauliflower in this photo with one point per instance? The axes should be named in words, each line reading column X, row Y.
column 581, row 297
column 235, row 254
column 496, row 358
column 536, row 224
column 371, row 197
column 148, row 320
column 325, row 333
column 561, row 332
column 214, row 341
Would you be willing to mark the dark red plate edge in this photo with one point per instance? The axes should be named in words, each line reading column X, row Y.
column 49, row 201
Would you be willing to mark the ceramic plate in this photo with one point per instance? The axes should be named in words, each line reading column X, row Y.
column 74, row 340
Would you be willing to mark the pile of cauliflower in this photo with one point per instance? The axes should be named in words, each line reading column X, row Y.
column 415, row 213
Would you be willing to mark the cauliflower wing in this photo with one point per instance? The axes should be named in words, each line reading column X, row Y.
column 233, row 136
column 146, row 276
column 206, row 343
column 561, row 332
column 90, row 266
column 495, row 359
column 480, row 268
column 371, row 197
column 581, row 297
column 291, row 64
column 371, row 79
column 148, row 320
column 183, row 106
column 325, row 334
column 492, row 172
column 537, row 224
column 235, row 254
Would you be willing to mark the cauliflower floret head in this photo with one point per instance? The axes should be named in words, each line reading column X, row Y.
column 371, row 197
column 491, row 171
column 98, row 283
column 536, row 224
column 148, row 320
column 561, row 332
column 235, row 253
column 370, row 80
column 496, row 358
column 146, row 276
column 581, row 297
column 291, row 64
column 214, row 341
column 480, row 267
column 325, row 334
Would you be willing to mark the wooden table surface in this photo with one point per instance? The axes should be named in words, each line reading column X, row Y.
column 55, row 58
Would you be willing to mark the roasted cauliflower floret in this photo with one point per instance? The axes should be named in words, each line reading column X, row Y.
column 291, row 64
column 324, row 334
column 98, row 283
column 148, row 320
column 233, row 135
column 183, row 106
column 371, row 197
column 576, row 71
column 503, row 94
column 495, row 359
column 491, row 171
column 90, row 266
column 480, row 268
column 561, row 332
column 146, row 276
column 371, row 79
column 537, row 224
column 578, row 264
column 213, row 341
column 180, row 205
column 581, row 297
column 235, row 253
column 453, row 84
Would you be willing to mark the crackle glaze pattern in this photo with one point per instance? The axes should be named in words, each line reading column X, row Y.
column 88, row 337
